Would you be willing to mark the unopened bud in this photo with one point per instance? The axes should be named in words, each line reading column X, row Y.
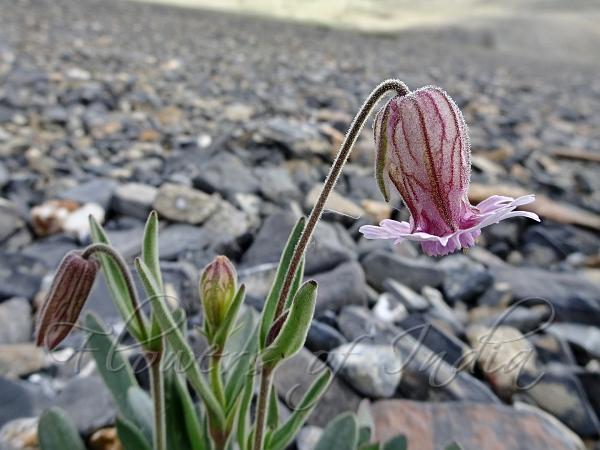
column 67, row 295
column 218, row 284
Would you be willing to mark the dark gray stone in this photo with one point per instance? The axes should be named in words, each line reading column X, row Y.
column 414, row 273
column 465, row 279
column 51, row 250
column 17, row 401
column 405, row 295
column 88, row 402
column 134, row 199
column 20, row 275
column 344, row 285
column 276, row 184
column 323, row 337
column 10, row 220
column 226, row 174
column 97, row 190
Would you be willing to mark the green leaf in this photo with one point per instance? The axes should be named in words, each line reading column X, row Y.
column 116, row 283
column 373, row 446
column 341, row 434
column 114, row 369
column 270, row 306
column 130, row 436
column 181, row 349
column 293, row 333
column 273, row 410
column 244, row 411
column 190, row 415
column 364, row 416
column 177, row 431
column 242, row 362
column 454, row 446
column 150, row 248
column 364, row 435
column 56, row 431
column 286, row 433
column 225, row 329
column 142, row 411
column 396, row 443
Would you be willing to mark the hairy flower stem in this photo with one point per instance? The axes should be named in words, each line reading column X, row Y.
column 313, row 219
column 120, row 262
column 261, row 408
column 158, row 400
column 331, row 180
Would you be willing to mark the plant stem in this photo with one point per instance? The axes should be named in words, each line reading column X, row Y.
column 215, row 377
column 158, row 400
column 315, row 215
column 261, row 409
column 124, row 269
column 334, row 173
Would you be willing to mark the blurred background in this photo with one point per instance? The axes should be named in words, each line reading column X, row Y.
column 224, row 116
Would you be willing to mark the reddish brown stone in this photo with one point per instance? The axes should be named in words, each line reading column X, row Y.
column 432, row 426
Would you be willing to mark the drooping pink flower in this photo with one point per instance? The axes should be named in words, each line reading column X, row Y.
column 423, row 152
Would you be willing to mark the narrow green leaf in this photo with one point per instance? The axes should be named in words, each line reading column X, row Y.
column 454, row 446
column 286, row 433
column 114, row 369
column 177, row 432
column 244, row 411
column 142, row 411
column 273, row 410
column 192, row 420
column 341, row 434
column 396, row 443
column 268, row 312
column 115, row 282
column 150, row 248
column 364, row 435
column 225, row 329
column 181, row 349
column 293, row 333
column 56, row 431
column 130, row 436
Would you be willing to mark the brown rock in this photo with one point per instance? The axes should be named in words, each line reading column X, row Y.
column 432, row 426
column 105, row 439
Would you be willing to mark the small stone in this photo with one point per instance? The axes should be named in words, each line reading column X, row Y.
column 308, row 437
column 323, row 337
column 15, row 321
column 105, row 439
column 184, row 204
column 238, row 112
column 134, row 199
column 373, row 370
column 20, row 434
column 465, row 279
column 4, row 176
column 388, row 309
column 55, row 216
column 97, row 190
column 17, row 401
column 414, row 273
column 344, row 285
column 227, row 220
column 227, row 175
column 376, row 211
column 503, row 354
column 276, row 184
column 336, row 203
column 17, row 360
column 20, row 275
column 405, row 295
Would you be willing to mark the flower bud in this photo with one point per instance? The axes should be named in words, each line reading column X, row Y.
column 67, row 295
column 218, row 285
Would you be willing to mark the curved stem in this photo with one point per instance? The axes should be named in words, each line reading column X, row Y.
column 124, row 269
column 331, row 180
column 315, row 215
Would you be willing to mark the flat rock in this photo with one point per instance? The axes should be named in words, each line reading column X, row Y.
column 16, row 402
column 21, row 359
column 294, row 376
column 465, row 279
column 344, row 285
column 181, row 203
column 10, row 220
column 97, row 190
column 226, row 174
column 15, row 321
column 20, row 434
column 20, row 275
column 322, row 337
column 414, row 273
column 134, row 199
column 433, row 426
